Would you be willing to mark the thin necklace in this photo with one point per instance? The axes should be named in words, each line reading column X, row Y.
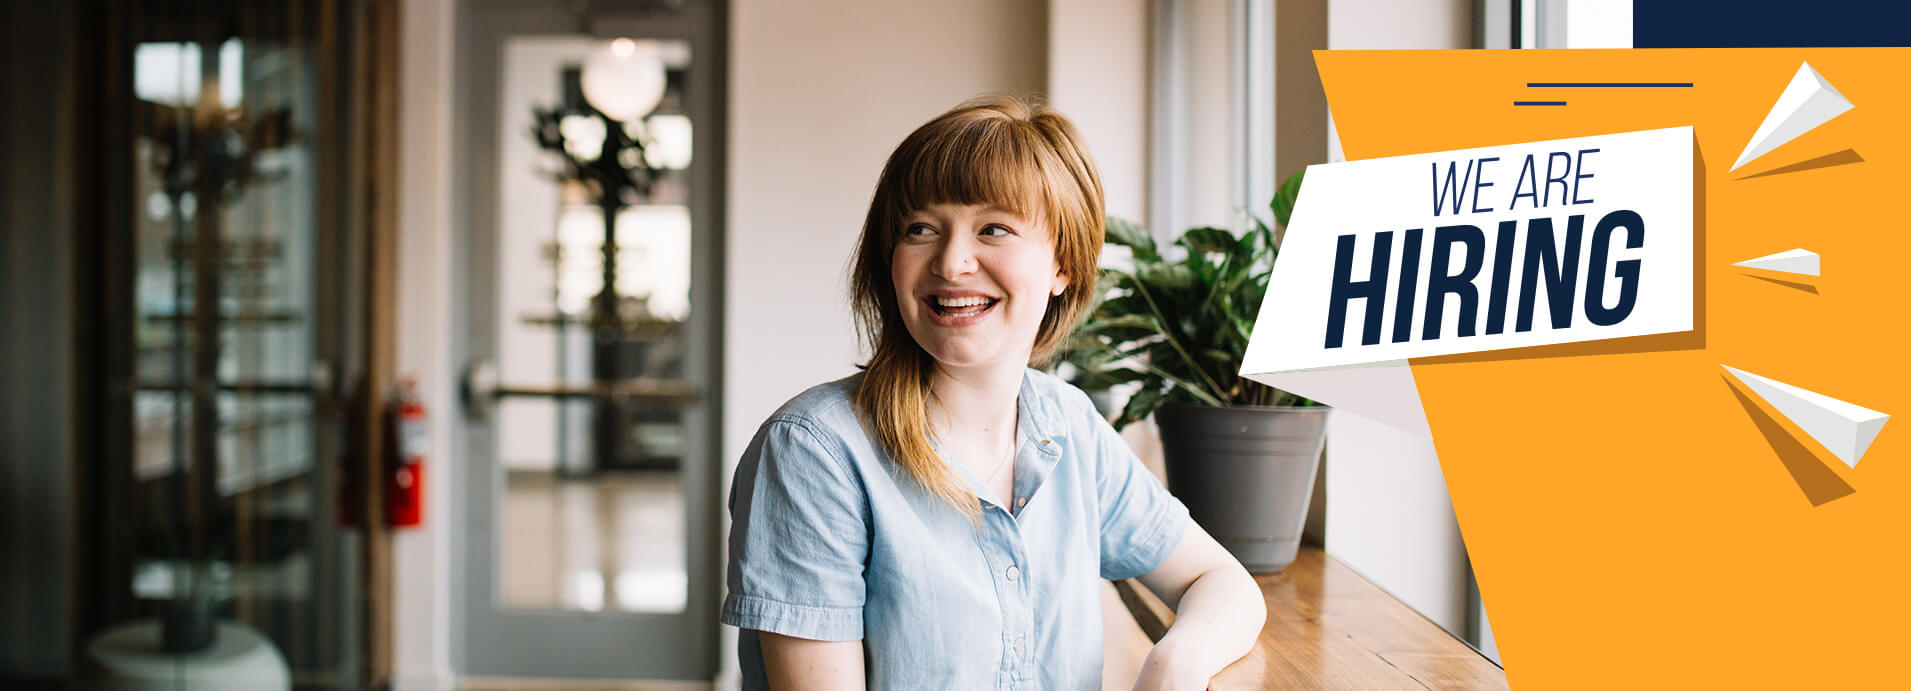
column 998, row 464
column 1005, row 460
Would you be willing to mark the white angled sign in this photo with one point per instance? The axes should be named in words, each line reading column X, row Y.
column 1482, row 249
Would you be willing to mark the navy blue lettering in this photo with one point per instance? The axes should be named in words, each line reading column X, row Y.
column 1502, row 275
column 1479, row 183
column 1561, row 277
column 1546, row 199
column 1526, row 181
column 1409, row 282
column 1580, row 165
column 1627, row 271
column 1345, row 289
column 1440, row 284
column 1458, row 190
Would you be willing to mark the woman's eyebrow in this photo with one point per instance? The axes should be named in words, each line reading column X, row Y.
column 1011, row 213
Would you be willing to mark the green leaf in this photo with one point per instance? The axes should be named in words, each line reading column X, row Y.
column 1116, row 321
column 1286, row 197
column 1206, row 240
column 1168, row 277
column 1142, row 404
column 1127, row 305
column 1132, row 236
column 1126, row 327
column 1107, row 379
column 1244, row 326
column 1254, row 242
column 1183, row 392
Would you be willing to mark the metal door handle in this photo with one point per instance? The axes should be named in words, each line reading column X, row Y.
column 481, row 391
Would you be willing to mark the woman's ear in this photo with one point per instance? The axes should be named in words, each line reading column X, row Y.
column 1060, row 286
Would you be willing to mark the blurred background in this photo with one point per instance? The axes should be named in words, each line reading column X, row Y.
column 412, row 343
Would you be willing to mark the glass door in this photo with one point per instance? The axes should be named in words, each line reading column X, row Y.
column 229, row 329
column 589, row 160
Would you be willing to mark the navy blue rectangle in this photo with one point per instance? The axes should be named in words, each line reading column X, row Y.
column 1770, row 23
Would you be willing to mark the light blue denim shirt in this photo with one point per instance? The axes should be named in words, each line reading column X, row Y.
column 830, row 540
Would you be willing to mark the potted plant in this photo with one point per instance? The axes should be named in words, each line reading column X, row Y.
column 1240, row 454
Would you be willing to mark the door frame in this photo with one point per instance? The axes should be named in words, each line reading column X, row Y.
column 490, row 641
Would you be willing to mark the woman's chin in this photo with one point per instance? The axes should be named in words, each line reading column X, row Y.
column 975, row 350
column 951, row 357
column 959, row 358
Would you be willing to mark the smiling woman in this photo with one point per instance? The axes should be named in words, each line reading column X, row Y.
column 941, row 519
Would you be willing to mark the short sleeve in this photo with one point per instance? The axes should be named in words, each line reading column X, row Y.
column 799, row 538
column 1141, row 523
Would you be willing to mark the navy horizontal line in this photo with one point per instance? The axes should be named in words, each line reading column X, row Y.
column 1539, row 103
column 1607, row 84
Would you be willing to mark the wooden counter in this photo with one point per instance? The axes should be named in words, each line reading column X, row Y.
column 1327, row 627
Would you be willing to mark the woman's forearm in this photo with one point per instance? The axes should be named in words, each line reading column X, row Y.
column 1217, row 621
column 797, row 664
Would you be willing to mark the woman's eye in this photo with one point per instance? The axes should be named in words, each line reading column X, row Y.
column 996, row 230
column 917, row 230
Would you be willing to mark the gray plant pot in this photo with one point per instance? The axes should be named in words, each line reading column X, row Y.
column 1246, row 474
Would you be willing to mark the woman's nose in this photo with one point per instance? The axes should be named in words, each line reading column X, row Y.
column 954, row 257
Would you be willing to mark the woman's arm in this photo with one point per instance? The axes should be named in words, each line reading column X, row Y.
column 800, row 664
column 1219, row 611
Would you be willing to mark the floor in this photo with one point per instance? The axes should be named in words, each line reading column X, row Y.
column 505, row 684
column 607, row 541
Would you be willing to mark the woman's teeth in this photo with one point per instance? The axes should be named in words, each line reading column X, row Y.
column 962, row 307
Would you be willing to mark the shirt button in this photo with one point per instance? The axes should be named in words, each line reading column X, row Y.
column 1020, row 502
column 1017, row 645
column 1013, row 573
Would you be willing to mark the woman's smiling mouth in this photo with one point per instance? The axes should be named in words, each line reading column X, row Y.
column 959, row 311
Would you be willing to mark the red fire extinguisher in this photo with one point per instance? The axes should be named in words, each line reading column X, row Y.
column 413, row 434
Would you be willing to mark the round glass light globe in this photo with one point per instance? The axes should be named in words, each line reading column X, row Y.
column 624, row 80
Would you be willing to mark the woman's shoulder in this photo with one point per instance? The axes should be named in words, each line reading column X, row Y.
column 822, row 416
column 1065, row 401
column 824, row 405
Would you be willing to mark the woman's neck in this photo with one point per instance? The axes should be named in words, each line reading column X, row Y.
column 976, row 401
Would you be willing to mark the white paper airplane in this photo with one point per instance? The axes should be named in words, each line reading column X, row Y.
column 1844, row 429
column 1809, row 101
column 1799, row 261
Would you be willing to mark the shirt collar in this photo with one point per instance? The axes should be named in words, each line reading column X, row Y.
column 1038, row 442
column 1040, row 415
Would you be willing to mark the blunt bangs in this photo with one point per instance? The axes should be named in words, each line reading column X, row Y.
column 984, row 159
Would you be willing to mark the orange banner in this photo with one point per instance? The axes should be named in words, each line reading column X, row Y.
column 1636, row 514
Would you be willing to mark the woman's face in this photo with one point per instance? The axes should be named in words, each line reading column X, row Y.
column 973, row 282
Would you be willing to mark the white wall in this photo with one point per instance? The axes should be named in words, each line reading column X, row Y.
column 1388, row 514
column 1598, row 24
column 1208, row 181
column 819, row 95
column 1389, row 517
column 1399, row 24
column 422, row 581
column 1098, row 77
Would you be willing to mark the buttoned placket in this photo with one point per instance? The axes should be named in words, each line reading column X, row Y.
column 1035, row 455
column 1005, row 551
